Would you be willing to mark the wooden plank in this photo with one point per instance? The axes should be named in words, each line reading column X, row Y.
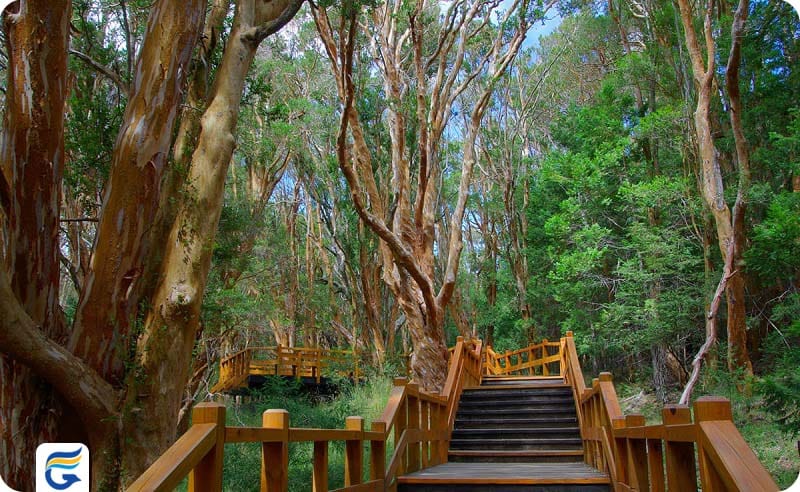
column 354, row 453
column 172, row 466
column 680, row 433
column 413, row 425
column 252, row 434
column 507, row 473
column 733, row 459
column 303, row 435
column 681, row 470
column 275, row 455
column 371, row 486
column 319, row 476
column 207, row 475
column 377, row 461
column 655, row 465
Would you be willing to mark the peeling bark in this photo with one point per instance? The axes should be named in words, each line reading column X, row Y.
column 32, row 165
column 712, row 184
column 107, row 310
column 407, row 233
column 165, row 349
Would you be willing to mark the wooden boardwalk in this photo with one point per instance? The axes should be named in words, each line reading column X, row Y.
column 544, row 432
column 508, row 473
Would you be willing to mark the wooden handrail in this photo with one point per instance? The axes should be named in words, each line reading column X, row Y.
column 284, row 361
column 534, row 360
column 661, row 457
column 419, row 422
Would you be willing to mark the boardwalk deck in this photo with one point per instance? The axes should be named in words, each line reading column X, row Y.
column 508, row 473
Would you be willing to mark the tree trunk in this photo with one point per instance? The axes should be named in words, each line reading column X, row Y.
column 712, row 185
column 32, row 153
column 407, row 234
column 104, row 329
column 165, row 349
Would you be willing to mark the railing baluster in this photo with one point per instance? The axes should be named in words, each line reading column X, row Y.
column 655, row 465
column 425, row 415
column 354, row 453
column 413, row 425
column 681, row 471
column 275, row 455
column 401, row 422
column 377, row 453
column 319, row 477
column 637, row 455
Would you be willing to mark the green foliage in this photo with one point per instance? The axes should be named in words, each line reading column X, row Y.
column 775, row 251
column 780, row 386
column 243, row 461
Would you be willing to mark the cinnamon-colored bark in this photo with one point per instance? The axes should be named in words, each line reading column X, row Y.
column 729, row 228
column 407, row 232
column 32, row 164
column 165, row 348
column 107, row 310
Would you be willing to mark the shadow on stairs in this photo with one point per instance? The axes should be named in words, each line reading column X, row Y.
column 513, row 434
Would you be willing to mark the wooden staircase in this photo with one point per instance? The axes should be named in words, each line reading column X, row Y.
column 530, row 425
column 522, row 420
column 529, row 420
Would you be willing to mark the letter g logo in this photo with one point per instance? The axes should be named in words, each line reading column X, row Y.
column 62, row 466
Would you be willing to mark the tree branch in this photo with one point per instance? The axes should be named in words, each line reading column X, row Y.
column 257, row 34
column 79, row 384
column 103, row 70
column 711, row 327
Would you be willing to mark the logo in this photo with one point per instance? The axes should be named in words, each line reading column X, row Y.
column 62, row 466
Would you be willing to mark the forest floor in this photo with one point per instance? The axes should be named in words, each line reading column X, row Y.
column 777, row 449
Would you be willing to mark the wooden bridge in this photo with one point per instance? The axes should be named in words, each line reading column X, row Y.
column 236, row 369
column 564, row 436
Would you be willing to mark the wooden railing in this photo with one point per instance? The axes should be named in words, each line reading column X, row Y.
column 284, row 361
column 542, row 359
column 415, row 423
column 651, row 457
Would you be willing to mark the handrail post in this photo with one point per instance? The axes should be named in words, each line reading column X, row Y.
column 681, row 471
column 709, row 408
column 354, row 452
column 413, row 424
column 319, row 476
column 400, row 423
column 207, row 475
column 377, row 453
column 425, row 426
column 275, row 455
column 637, row 455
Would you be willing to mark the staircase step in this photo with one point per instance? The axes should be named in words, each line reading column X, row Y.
column 493, row 391
column 511, row 477
column 506, row 456
column 520, row 380
column 561, row 443
column 517, row 433
column 522, row 412
column 522, row 400
column 522, row 422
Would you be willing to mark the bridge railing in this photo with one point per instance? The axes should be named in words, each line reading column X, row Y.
column 414, row 428
column 541, row 359
column 285, row 361
column 662, row 456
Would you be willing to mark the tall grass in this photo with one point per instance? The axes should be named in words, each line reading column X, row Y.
column 243, row 461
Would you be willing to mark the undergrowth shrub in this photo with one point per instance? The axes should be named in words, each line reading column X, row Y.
column 243, row 461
